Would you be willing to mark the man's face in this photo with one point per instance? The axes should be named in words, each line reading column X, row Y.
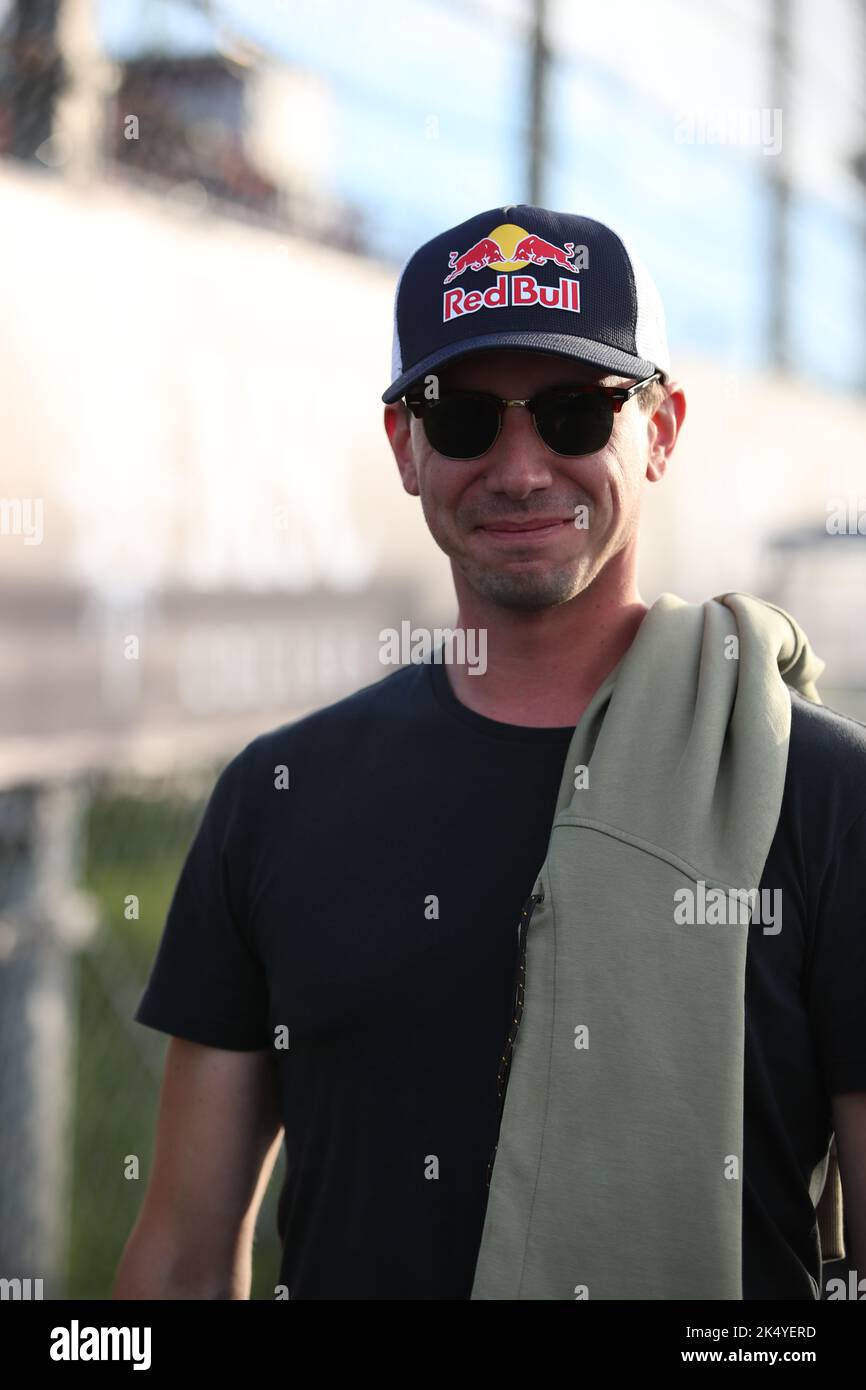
column 520, row 481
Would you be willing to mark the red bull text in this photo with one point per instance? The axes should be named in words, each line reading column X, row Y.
column 512, row 290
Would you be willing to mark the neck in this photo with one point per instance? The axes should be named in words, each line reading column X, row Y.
column 542, row 669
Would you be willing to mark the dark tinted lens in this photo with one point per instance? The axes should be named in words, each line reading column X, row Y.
column 461, row 427
column 578, row 424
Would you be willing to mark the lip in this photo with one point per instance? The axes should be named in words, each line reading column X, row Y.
column 531, row 531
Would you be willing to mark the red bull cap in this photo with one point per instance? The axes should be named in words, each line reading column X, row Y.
column 526, row 278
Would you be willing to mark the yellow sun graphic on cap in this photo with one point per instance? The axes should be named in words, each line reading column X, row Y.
column 506, row 237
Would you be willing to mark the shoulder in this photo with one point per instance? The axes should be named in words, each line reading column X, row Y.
column 376, row 711
column 828, row 742
column 825, row 727
column 311, row 749
column 826, row 773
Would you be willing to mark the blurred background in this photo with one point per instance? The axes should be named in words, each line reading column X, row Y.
column 203, row 209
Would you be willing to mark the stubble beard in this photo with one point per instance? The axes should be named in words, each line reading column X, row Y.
column 527, row 591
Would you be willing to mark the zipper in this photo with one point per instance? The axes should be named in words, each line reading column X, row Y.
column 516, row 1013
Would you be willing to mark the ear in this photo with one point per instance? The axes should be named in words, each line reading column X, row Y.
column 398, row 427
column 664, row 426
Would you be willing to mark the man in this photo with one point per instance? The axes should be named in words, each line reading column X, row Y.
column 348, row 958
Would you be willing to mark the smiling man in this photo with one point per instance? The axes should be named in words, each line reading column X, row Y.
column 443, row 959
column 540, row 551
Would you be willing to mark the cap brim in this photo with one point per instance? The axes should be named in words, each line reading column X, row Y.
column 585, row 350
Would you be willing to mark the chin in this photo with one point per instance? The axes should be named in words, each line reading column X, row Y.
column 527, row 592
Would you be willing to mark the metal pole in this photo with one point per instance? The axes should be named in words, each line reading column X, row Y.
column 37, row 74
column 43, row 919
column 778, row 261
column 539, row 62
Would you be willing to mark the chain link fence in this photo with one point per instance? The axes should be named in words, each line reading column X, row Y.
column 80, row 1079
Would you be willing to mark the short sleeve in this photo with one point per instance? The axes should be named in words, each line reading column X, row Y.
column 837, row 996
column 207, row 984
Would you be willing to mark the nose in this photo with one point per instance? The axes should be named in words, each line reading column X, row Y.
column 519, row 462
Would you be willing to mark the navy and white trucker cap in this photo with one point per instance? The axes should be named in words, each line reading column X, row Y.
column 528, row 278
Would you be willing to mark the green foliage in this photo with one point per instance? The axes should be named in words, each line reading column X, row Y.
column 136, row 843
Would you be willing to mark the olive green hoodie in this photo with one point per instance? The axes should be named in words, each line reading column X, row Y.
column 618, row 1172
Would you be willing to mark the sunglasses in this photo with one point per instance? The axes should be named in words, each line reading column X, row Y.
column 571, row 420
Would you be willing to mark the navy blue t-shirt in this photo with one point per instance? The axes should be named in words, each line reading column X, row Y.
column 371, row 906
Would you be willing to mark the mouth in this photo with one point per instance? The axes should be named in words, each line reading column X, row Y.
column 532, row 531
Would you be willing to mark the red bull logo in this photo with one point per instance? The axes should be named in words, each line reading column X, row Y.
column 508, row 249
column 478, row 256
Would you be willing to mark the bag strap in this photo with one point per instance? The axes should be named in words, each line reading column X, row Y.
column 830, row 1211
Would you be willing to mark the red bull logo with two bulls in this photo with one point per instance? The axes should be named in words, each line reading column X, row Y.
column 509, row 250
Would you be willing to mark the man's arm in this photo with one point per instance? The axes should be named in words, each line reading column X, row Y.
column 218, row 1135
column 849, row 1123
